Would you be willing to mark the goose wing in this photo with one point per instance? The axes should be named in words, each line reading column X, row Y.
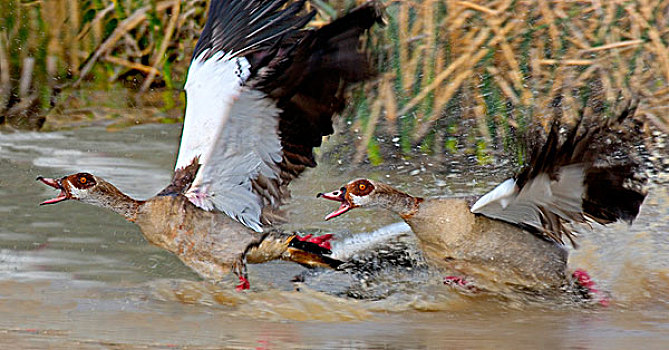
column 575, row 180
column 219, row 69
column 261, row 93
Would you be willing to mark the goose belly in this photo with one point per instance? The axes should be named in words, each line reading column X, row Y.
column 492, row 253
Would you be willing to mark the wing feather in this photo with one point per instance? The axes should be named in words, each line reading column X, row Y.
column 574, row 181
column 211, row 89
column 247, row 148
column 246, row 125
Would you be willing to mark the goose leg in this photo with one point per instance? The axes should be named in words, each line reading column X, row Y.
column 584, row 282
column 460, row 283
column 239, row 269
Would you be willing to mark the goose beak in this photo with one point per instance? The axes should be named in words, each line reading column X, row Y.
column 62, row 196
column 337, row 196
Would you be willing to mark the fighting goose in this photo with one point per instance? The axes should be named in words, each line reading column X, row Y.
column 261, row 92
column 512, row 236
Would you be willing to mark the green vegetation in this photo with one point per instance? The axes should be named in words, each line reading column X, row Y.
column 467, row 76
column 50, row 46
column 455, row 76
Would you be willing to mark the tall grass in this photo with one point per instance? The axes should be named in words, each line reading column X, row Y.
column 455, row 76
column 485, row 68
column 48, row 46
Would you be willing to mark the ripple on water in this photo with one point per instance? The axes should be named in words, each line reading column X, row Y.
column 77, row 268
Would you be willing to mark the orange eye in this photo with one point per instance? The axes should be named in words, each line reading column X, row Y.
column 82, row 180
column 362, row 187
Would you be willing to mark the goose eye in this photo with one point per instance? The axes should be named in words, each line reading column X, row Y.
column 82, row 180
column 362, row 187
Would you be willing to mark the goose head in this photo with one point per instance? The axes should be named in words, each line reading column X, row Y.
column 355, row 194
column 368, row 193
column 81, row 186
column 91, row 189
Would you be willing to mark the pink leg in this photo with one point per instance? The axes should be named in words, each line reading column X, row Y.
column 460, row 282
column 583, row 279
column 322, row 241
column 455, row 280
column 243, row 284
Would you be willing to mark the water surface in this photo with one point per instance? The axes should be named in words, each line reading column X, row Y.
column 72, row 275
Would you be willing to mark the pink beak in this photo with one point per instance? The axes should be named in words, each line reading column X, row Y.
column 55, row 184
column 337, row 196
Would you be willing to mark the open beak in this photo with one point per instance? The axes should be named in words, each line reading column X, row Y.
column 57, row 185
column 337, row 196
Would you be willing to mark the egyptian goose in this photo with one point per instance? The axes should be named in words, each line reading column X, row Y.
column 261, row 93
column 512, row 236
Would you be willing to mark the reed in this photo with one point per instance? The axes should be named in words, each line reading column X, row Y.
column 486, row 68
column 455, row 76
column 50, row 46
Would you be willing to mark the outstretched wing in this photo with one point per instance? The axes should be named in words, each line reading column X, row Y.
column 219, row 68
column 255, row 108
column 247, row 147
column 309, row 81
column 572, row 181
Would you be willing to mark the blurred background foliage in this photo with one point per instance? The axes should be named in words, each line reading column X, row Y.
column 53, row 52
column 466, row 76
column 455, row 76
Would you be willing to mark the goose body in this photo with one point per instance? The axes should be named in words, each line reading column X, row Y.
column 261, row 92
column 485, row 250
column 512, row 237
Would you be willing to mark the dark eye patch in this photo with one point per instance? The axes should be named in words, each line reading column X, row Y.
column 361, row 188
column 82, row 180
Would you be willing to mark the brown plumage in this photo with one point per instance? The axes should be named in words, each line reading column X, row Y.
column 209, row 242
column 614, row 191
column 511, row 237
column 296, row 77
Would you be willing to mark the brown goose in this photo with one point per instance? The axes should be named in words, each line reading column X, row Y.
column 261, row 93
column 512, row 236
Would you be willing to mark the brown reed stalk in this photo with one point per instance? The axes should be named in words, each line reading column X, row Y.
column 504, row 62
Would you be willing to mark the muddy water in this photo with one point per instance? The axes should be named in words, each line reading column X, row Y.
column 75, row 276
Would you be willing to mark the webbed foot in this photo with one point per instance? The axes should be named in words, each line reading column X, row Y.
column 243, row 284
column 460, row 283
column 583, row 280
column 322, row 241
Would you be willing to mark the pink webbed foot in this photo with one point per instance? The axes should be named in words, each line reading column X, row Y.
column 460, row 282
column 323, row 241
column 584, row 281
column 243, row 284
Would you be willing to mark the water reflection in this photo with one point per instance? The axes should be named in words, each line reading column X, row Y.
column 81, row 275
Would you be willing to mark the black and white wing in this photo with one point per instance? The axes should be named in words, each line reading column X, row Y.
column 219, row 68
column 251, row 120
column 571, row 181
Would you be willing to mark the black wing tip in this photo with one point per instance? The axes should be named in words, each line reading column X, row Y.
column 614, row 192
column 614, row 182
column 243, row 26
column 359, row 19
column 373, row 10
column 616, row 187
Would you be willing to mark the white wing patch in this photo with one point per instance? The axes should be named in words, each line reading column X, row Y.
column 212, row 87
column 247, row 146
column 500, row 196
column 563, row 197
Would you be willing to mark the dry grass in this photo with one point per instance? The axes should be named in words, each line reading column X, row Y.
column 482, row 69
column 501, row 63
column 48, row 46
